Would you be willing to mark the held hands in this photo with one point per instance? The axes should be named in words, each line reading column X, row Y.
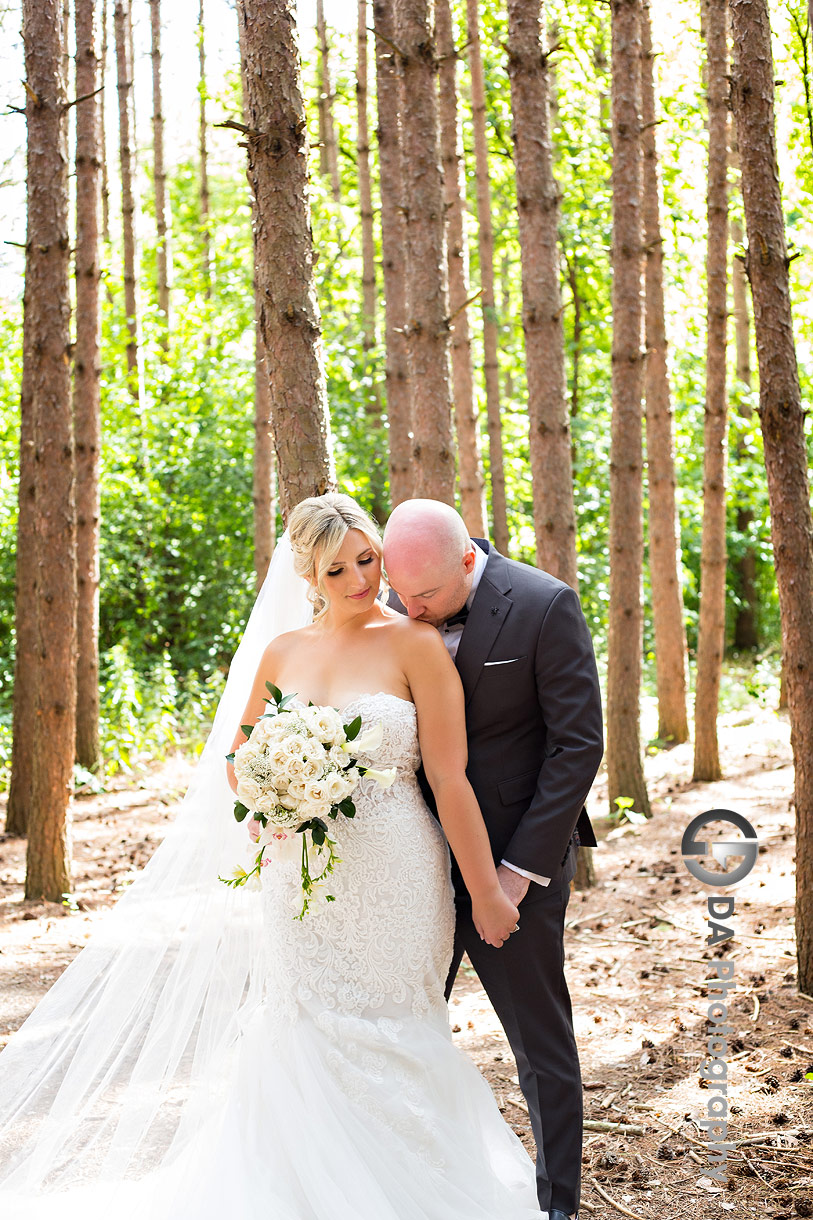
column 514, row 885
column 495, row 917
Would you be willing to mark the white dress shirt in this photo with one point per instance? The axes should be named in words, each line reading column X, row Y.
column 451, row 638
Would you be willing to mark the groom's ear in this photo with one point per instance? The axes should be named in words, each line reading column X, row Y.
column 468, row 560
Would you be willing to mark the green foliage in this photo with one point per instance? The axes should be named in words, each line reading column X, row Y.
column 176, row 546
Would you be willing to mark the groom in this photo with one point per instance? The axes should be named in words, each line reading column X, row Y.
column 533, row 718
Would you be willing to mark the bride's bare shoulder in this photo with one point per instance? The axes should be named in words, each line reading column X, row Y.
column 283, row 645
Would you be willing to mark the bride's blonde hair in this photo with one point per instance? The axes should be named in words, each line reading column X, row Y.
column 317, row 527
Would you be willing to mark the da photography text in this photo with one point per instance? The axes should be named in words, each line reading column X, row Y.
column 714, row 1068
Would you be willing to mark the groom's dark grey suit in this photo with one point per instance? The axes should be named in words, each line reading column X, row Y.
column 534, row 725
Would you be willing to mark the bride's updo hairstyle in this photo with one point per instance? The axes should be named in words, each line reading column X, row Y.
column 317, row 527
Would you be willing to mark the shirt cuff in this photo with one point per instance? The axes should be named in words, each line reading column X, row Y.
column 524, row 873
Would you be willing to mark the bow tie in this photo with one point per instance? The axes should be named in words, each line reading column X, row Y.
column 459, row 619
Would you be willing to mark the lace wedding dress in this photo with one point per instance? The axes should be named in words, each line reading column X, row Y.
column 347, row 1099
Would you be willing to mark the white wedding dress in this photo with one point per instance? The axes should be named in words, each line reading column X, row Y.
column 346, row 1098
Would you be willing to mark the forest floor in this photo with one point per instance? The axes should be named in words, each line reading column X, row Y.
column 636, row 963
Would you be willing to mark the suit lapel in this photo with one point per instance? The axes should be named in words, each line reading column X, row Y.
column 487, row 616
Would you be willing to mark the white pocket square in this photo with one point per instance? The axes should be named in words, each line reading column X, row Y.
column 509, row 661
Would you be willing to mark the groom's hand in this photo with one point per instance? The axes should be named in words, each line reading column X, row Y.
column 514, row 885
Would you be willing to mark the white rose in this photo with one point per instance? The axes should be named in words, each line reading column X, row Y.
column 249, row 792
column 277, row 756
column 245, row 755
column 316, row 802
column 295, row 768
column 367, row 742
column 295, row 745
column 297, row 789
column 338, row 756
column 262, row 731
column 326, row 724
column 336, row 787
column 309, row 768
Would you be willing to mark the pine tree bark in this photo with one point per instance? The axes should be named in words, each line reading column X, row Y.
column 782, row 424
column 664, row 535
column 427, row 281
column 47, row 321
column 328, row 146
column 538, row 210
column 485, row 243
column 368, row 277
column 159, row 172
column 264, row 491
column 624, row 765
column 711, row 625
column 102, row 136
column 746, row 636
column 203, row 157
column 86, row 385
column 276, row 138
column 24, row 705
column 471, row 484
column 124, row 77
column 393, row 263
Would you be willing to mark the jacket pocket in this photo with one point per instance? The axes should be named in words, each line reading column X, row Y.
column 519, row 788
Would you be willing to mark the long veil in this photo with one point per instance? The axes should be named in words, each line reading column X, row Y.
column 111, row 1075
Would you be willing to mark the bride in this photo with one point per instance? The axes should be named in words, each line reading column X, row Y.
column 208, row 1052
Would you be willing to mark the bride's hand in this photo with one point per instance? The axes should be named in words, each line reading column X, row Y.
column 495, row 917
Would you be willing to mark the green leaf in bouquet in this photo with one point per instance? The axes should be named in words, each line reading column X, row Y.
column 247, row 729
column 230, row 757
column 347, row 807
column 286, row 699
column 351, row 731
column 276, row 693
column 240, row 811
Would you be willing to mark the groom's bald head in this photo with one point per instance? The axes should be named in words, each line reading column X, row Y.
column 429, row 558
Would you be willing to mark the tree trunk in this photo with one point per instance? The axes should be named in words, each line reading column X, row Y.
column 782, row 422
column 159, row 174
column 368, row 284
column 471, row 483
column 393, row 244
column 24, row 706
column 86, row 386
column 264, row 492
column 276, row 138
column 746, row 637
column 664, row 534
column 203, row 156
column 538, row 209
column 711, row 625
column 124, row 75
column 102, row 136
column 485, row 241
column 329, row 151
column 625, row 773
column 47, row 321
column 427, row 282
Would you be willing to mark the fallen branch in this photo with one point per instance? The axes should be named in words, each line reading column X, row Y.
column 595, row 1124
column 619, row 1207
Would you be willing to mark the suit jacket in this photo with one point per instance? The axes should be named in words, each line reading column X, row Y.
column 533, row 713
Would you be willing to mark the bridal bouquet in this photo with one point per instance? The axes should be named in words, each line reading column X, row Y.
column 298, row 768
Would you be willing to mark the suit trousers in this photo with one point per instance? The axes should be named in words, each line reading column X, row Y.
column 525, row 982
